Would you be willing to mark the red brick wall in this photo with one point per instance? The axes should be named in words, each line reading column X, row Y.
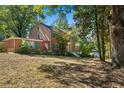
column 34, row 33
column 18, row 43
column 42, row 45
column 40, row 28
column 46, row 31
column 9, row 45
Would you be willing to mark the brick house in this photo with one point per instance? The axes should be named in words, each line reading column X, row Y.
column 13, row 44
column 46, row 33
column 41, row 36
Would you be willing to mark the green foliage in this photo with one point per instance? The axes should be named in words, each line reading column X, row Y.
column 60, row 11
column 2, row 49
column 92, row 28
column 25, row 44
column 62, row 22
column 86, row 48
column 25, row 48
column 84, row 19
column 62, row 40
column 18, row 20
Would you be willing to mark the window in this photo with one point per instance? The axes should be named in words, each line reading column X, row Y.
column 40, row 36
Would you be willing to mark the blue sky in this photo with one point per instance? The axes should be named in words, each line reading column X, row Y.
column 50, row 19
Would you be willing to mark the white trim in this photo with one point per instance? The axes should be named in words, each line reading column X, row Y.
column 42, row 33
column 45, row 36
column 24, row 39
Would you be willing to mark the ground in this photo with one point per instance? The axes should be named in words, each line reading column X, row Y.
column 52, row 71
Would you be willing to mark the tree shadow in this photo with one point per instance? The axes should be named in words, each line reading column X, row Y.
column 77, row 75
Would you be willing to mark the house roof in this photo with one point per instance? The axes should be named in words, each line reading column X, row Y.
column 22, row 39
column 52, row 27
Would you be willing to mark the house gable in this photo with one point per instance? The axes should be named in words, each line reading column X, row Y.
column 41, row 32
column 46, row 33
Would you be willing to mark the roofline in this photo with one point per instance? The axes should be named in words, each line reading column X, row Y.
column 46, row 26
column 24, row 39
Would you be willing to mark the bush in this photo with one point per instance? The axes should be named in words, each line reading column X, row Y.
column 25, row 48
column 86, row 49
column 36, row 51
column 2, row 49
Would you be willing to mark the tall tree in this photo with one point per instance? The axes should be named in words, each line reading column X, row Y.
column 97, row 32
column 117, row 35
column 84, row 20
column 4, row 22
column 103, row 29
column 61, row 21
column 61, row 11
column 18, row 20
column 91, row 22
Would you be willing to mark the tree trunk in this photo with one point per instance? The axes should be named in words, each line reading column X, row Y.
column 97, row 33
column 103, row 44
column 102, row 35
column 109, row 43
column 117, row 35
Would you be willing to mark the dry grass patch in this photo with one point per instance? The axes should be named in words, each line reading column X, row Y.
column 53, row 71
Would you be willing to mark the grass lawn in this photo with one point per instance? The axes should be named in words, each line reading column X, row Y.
column 25, row 71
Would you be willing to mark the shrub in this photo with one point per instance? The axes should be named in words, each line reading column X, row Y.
column 25, row 48
column 35, row 51
column 86, row 48
column 2, row 49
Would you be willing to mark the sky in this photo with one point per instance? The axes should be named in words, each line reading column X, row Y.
column 50, row 19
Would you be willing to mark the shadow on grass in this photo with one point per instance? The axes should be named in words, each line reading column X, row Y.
column 76, row 75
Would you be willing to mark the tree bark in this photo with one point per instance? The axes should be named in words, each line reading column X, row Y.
column 117, row 35
column 103, row 44
column 97, row 33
